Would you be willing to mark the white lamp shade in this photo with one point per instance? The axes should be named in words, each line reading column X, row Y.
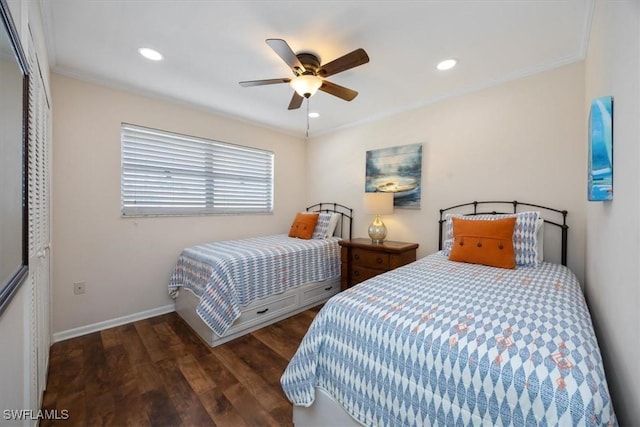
column 378, row 203
column 306, row 85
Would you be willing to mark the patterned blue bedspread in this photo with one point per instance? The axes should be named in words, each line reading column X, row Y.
column 445, row 343
column 231, row 274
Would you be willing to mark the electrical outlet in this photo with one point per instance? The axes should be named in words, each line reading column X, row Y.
column 78, row 288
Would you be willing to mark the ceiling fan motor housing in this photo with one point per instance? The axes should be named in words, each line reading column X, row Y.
column 310, row 62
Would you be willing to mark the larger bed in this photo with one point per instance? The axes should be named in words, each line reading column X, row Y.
column 229, row 288
column 439, row 342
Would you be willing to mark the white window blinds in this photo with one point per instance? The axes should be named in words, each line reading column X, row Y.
column 165, row 173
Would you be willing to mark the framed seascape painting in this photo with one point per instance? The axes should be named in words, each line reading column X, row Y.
column 600, row 177
column 396, row 170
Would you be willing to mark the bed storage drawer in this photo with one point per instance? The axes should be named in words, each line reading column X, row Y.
column 319, row 291
column 259, row 311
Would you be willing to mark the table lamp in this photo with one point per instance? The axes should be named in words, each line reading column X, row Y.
column 378, row 204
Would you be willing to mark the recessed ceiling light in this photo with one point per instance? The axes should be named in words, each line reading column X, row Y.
column 447, row 64
column 314, row 115
column 151, row 54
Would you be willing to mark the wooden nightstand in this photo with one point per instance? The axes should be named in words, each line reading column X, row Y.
column 362, row 260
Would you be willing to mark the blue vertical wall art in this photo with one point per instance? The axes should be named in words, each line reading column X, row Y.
column 600, row 179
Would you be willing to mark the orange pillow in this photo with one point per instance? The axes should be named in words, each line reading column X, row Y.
column 303, row 225
column 484, row 242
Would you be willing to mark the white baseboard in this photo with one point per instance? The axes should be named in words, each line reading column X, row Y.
column 95, row 327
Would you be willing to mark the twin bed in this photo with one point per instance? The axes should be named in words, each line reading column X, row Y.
column 226, row 289
column 439, row 342
column 436, row 342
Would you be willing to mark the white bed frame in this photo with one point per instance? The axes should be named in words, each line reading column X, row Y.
column 274, row 308
column 324, row 411
column 259, row 313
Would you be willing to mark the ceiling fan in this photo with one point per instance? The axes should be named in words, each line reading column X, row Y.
column 309, row 75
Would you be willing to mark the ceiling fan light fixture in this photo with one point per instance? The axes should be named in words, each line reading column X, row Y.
column 306, row 85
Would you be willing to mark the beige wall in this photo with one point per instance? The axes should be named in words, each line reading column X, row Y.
column 523, row 140
column 14, row 337
column 126, row 263
column 613, row 229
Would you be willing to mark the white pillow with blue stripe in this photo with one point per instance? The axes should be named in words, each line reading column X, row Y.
column 325, row 226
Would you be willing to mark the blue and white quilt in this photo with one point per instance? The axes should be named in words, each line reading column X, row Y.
column 231, row 274
column 444, row 343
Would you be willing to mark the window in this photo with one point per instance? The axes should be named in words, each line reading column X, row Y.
column 165, row 173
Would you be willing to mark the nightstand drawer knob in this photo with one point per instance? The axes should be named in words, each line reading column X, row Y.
column 379, row 260
column 356, row 273
column 356, row 256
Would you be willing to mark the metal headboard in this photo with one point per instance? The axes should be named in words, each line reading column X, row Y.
column 561, row 214
column 345, row 212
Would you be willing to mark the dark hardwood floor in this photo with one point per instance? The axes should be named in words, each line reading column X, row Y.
column 158, row 372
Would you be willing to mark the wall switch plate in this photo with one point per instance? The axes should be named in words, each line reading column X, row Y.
column 78, row 288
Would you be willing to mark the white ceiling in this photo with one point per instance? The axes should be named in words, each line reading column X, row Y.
column 209, row 46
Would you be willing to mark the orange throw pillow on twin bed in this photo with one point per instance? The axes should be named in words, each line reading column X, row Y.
column 484, row 242
column 303, row 225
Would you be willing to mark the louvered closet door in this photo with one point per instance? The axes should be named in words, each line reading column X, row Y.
column 39, row 133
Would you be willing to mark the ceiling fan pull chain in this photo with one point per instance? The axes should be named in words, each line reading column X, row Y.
column 308, row 101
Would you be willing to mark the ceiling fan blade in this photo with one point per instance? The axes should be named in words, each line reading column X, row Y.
column 296, row 101
column 350, row 60
column 264, row 82
column 283, row 50
column 339, row 91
